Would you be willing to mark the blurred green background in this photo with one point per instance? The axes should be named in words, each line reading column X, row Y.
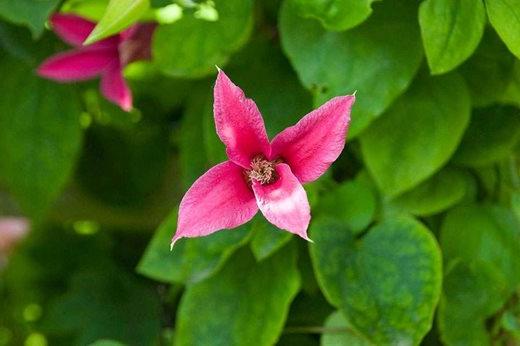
column 416, row 227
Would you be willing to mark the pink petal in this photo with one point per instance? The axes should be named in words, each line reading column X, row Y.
column 136, row 43
column 316, row 141
column 239, row 123
column 71, row 28
column 284, row 203
column 114, row 87
column 75, row 65
column 12, row 230
column 74, row 30
column 219, row 199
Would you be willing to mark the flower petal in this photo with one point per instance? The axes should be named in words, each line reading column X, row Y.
column 316, row 141
column 77, row 64
column 239, row 123
column 284, row 203
column 114, row 87
column 71, row 28
column 219, row 199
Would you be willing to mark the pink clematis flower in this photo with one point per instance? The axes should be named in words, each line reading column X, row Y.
column 261, row 174
column 105, row 58
column 12, row 231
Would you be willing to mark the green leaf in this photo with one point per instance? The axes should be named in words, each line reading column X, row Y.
column 191, row 260
column 352, row 202
column 40, row 136
column 106, row 342
column 443, row 190
column 338, row 332
column 491, row 66
column 106, row 304
column 30, row 13
column 512, row 92
column 246, row 303
column 451, row 31
column 119, row 15
column 335, row 15
column 491, row 136
column 484, row 233
column 368, row 59
column 191, row 47
column 418, row 134
column 267, row 239
column 387, row 283
column 472, row 293
column 504, row 16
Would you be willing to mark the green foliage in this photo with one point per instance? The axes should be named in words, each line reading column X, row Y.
column 418, row 134
column 118, row 15
column 451, row 31
column 388, row 295
column 226, row 314
column 39, row 132
column 432, row 156
column 31, row 13
column 332, row 63
column 336, row 15
column 191, row 47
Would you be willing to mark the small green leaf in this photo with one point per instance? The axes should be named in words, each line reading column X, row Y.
column 418, row 134
column 368, row 59
column 267, row 239
column 489, row 71
column 451, row 31
column 336, row 15
column 472, row 293
column 491, row 136
column 387, row 283
column 352, row 202
column 118, row 15
column 338, row 332
column 504, row 16
column 484, row 233
column 40, row 136
column 191, row 47
column 512, row 92
column 30, row 13
column 191, row 260
column 434, row 195
column 106, row 304
column 106, row 342
column 246, row 303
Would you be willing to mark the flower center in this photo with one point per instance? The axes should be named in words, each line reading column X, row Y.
column 262, row 170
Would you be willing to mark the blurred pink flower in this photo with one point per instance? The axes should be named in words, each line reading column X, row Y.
column 12, row 230
column 105, row 58
column 261, row 174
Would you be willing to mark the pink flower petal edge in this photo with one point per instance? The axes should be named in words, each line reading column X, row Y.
column 71, row 28
column 284, row 203
column 316, row 141
column 239, row 123
column 114, row 87
column 259, row 174
column 219, row 199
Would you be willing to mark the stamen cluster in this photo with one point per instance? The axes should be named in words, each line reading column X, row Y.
column 262, row 170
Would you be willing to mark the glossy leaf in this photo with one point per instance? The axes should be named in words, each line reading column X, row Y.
column 339, row 63
column 224, row 306
column 191, row 260
column 491, row 136
column 472, row 293
column 40, row 136
column 451, row 31
column 484, row 233
column 30, row 13
column 491, row 66
column 191, row 47
column 504, row 15
column 388, row 295
column 434, row 195
column 118, row 15
column 336, row 15
column 338, row 332
column 418, row 135
column 353, row 202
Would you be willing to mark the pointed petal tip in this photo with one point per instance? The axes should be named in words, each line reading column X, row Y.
column 218, row 69
column 174, row 240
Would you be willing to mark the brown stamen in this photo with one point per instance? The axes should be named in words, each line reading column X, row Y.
column 262, row 170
